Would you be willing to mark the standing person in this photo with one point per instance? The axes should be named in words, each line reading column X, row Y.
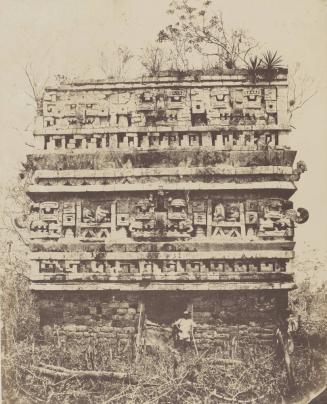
column 183, row 331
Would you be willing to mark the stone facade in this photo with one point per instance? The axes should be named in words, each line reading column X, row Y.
column 170, row 189
column 113, row 318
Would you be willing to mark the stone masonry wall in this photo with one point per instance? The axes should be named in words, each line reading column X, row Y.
column 107, row 317
column 222, row 318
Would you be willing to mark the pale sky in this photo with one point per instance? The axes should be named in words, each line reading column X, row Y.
column 67, row 37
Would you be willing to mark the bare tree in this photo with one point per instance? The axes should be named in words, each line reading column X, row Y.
column 14, row 207
column 153, row 59
column 301, row 89
column 37, row 86
column 205, row 32
column 179, row 47
column 115, row 64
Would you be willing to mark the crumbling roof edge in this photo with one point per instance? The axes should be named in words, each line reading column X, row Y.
column 171, row 76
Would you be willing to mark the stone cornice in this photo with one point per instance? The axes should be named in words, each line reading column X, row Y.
column 285, row 186
column 153, row 286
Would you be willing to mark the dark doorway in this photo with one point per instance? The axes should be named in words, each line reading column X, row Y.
column 164, row 308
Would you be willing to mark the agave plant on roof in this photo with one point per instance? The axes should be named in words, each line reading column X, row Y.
column 254, row 67
column 271, row 62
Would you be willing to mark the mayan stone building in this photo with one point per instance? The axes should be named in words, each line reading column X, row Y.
column 153, row 196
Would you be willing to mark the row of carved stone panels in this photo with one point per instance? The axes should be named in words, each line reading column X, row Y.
column 157, row 267
column 226, row 140
column 183, row 107
column 163, row 216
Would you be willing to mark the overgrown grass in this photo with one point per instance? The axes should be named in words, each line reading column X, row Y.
column 257, row 374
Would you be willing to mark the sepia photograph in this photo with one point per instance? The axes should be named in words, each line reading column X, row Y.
column 163, row 202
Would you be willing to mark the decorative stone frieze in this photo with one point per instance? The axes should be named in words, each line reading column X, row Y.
column 163, row 194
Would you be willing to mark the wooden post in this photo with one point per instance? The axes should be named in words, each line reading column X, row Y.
column 139, row 332
column 194, row 342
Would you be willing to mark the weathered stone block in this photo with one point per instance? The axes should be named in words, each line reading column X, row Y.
column 81, row 328
column 106, row 328
column 114, row 305
column 124, row 305
column 129, row 317
column 124, row 341
column 122, row 311
column 70, row 328
column 111, row 335
column 129, row 329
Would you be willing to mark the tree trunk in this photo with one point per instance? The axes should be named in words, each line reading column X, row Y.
column 60, row 372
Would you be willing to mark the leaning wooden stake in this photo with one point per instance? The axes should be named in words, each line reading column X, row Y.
column 194, row 342
column 139, row 334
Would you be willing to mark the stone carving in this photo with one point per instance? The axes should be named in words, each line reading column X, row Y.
column 69, row 219
column 160, row 108
column 227, row 220
column 186, row 107
column 263, row 219
column 96, row 222
column 44, row 221
column 226, row 140
column 300, row 216
column 274, row 222
column 160, row 217
column 51, row 266
column 301, row 167
column 100, row 215
column 178, row 221
column 164, row 216
column 142, row 224
column 247, row 106
column 219, row 212
column 131, row 267
column 214, row 142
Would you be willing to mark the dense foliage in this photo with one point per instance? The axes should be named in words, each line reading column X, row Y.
column 255, row 372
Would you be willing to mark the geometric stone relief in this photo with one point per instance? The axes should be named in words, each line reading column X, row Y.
column 165, row 216
column 44, row 220
column 164, row 107
column 221, row 140
column 95, row 223
column 247, row 106
column 126, row 267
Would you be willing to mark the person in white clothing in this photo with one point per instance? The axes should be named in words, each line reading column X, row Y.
column 183, row 330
